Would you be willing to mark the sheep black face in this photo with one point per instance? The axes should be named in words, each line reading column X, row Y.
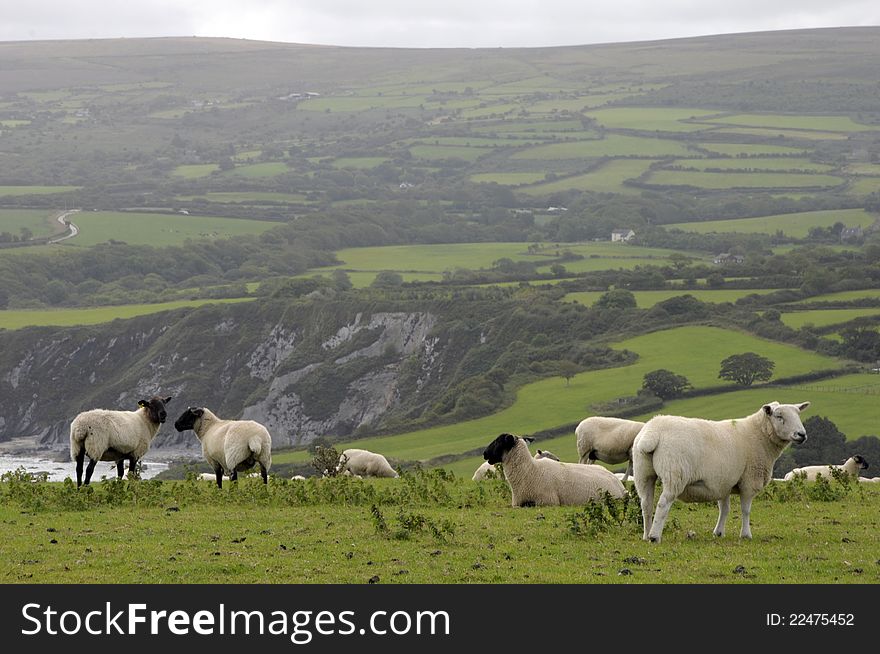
column 155, row 407
column 863, row 463
column 188, row 418
column 497, row 448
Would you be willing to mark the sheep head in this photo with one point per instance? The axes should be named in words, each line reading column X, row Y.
column 500, row 446
column 155, row 408
column 785, row 421
column 188, row 418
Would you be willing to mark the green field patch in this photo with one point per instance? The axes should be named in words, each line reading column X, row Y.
column 865, row 185
column 36, row 190
column 782, row 133
column 158, row 229
column 18, row 319
column 553, row 126
column 797, row 122
column 613, row 145
column 665, row 119
column 244, row 196
column 13, row 123
column 792, row 164
column 432, row 152
column 695, row 352
column 247, row 155
column 647, row 299
column 359, row 163
column 480, row 141
column 749, row 149
column 845, row 296
column 608, row 178
column 868, row 169
column 499, row 109
column 507, row 179
column 433, row 258
column 259, row 170
column 793, row 224
column 740, row 180
column 40, row 222
column 825, row 317
column 365, row 278
column 194, row 171
column 528, row 85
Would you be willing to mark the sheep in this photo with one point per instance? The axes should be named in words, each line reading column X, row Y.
column 229, row 446
column 486, row 471
column 869, row 480
column 363, row 463
column 108, row 435
column 852, row 466
column 297, row 478
column 704, row 460
column 545, row 482
column 607, row 439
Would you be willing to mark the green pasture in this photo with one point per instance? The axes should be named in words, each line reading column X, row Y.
column 825, row 317
column 749, row 149
column 246, row 155
column 507, row 179
column 194, row 171
column 799, row 122
column 259, row 170
column 784, row 133
column 359, row 163
column 755, row 163
column 364, row 278
column 695, row 352
column 158, row 229
column 18, row 319
column 244, row 196
column 490, row 110
column 864, row 185
column 613, row 145
column 13, row 123
column 609, row 178
column 422, row 528
column 477, row 141
column 36, row 190
column 869, row 169
column 647, row 299
column 432, row 152
column 40, row 222
column 740, row 180
column 537, row 126
column 793, row 224
column 844, row 296
column 665, row 119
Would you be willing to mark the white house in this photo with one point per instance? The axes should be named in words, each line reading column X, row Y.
column 622, row 235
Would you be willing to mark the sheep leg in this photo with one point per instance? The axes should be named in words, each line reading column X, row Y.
column 80, row 458
column 645, row 489
column 723, row 510
column 264, row 473
column 234, row 475
column 90, row 469
column 120, row 468
column 132, row 462
column 218, row 470
column 667, row 497
column 629, row 471
column 745, row 502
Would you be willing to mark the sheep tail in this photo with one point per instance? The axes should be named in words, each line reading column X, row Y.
column 256, row 446
column 647, row 442
column 78, row 435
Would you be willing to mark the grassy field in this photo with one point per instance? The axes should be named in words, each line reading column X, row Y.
column 508, row 179
column 824, row 317
column 791, row 121
column 647, row 299
column 244, row 196
column 793, row 224
column 259, row 170
column 18, row 319
column 755, row 163
column 665, row 119
column 40, row 222
column 195, row 171
column 158, row 229
column 798, row 134
column 845, row 296
column 608, row 178
column 750, row 149
column 36, row 190
column 695, row 352
column 716, row 181
column 433, row 152
column 359, row 163
column 422, row 528
column 613, row 145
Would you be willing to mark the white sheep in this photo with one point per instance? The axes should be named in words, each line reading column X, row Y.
column 486, row 471
column 545, row 482
column 607, row 439
column 297, row 478
column 106, row 435
column 363, row 463
column 852, row 466
column 700, row 460
column 229, row 446
column 546, row 454
column 870, row 480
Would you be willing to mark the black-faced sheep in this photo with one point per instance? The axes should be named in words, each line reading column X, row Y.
column 106, row 435
column 545, row 482
column 852, row 466
column 705, row 460
column 229, row 446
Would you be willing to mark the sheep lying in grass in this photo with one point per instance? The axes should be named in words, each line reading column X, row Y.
column 229, row 446
column 852, row 466
column 545, row 482
column 486, row 471
column 704, row 460
column 364, row 463
column 607, row 439
column 106, row 435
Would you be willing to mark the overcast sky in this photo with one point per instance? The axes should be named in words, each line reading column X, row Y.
column 421, row 23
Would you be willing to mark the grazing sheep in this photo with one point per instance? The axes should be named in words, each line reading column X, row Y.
column 607, row 439
column 545, row 482
column 363, row 463
column 852, row 466
column 705, row 460
column 107, row 435
column 229, row 446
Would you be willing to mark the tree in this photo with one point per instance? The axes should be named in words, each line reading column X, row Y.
column 747, row 368
column 568, row 369
column 665, row 384
column 618, row 298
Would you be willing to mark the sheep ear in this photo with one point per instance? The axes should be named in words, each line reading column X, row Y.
column 803, row 405
column 768, row 409
column 142, row 403
column 528, row 439
column 198, row 412
column 166, row 400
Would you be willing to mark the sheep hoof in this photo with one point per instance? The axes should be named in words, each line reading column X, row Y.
column 654, row 539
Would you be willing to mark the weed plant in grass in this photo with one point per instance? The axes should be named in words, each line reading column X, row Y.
column 426, row 527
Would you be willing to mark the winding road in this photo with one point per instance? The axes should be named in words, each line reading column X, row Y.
column 62, row 218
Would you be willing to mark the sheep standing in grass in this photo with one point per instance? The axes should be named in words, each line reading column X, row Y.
column 229, row 446
column 607, row 439
column 545, row 482
column 852, row 466
column 364, row 463
column 106, row 435
column 704, row 460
